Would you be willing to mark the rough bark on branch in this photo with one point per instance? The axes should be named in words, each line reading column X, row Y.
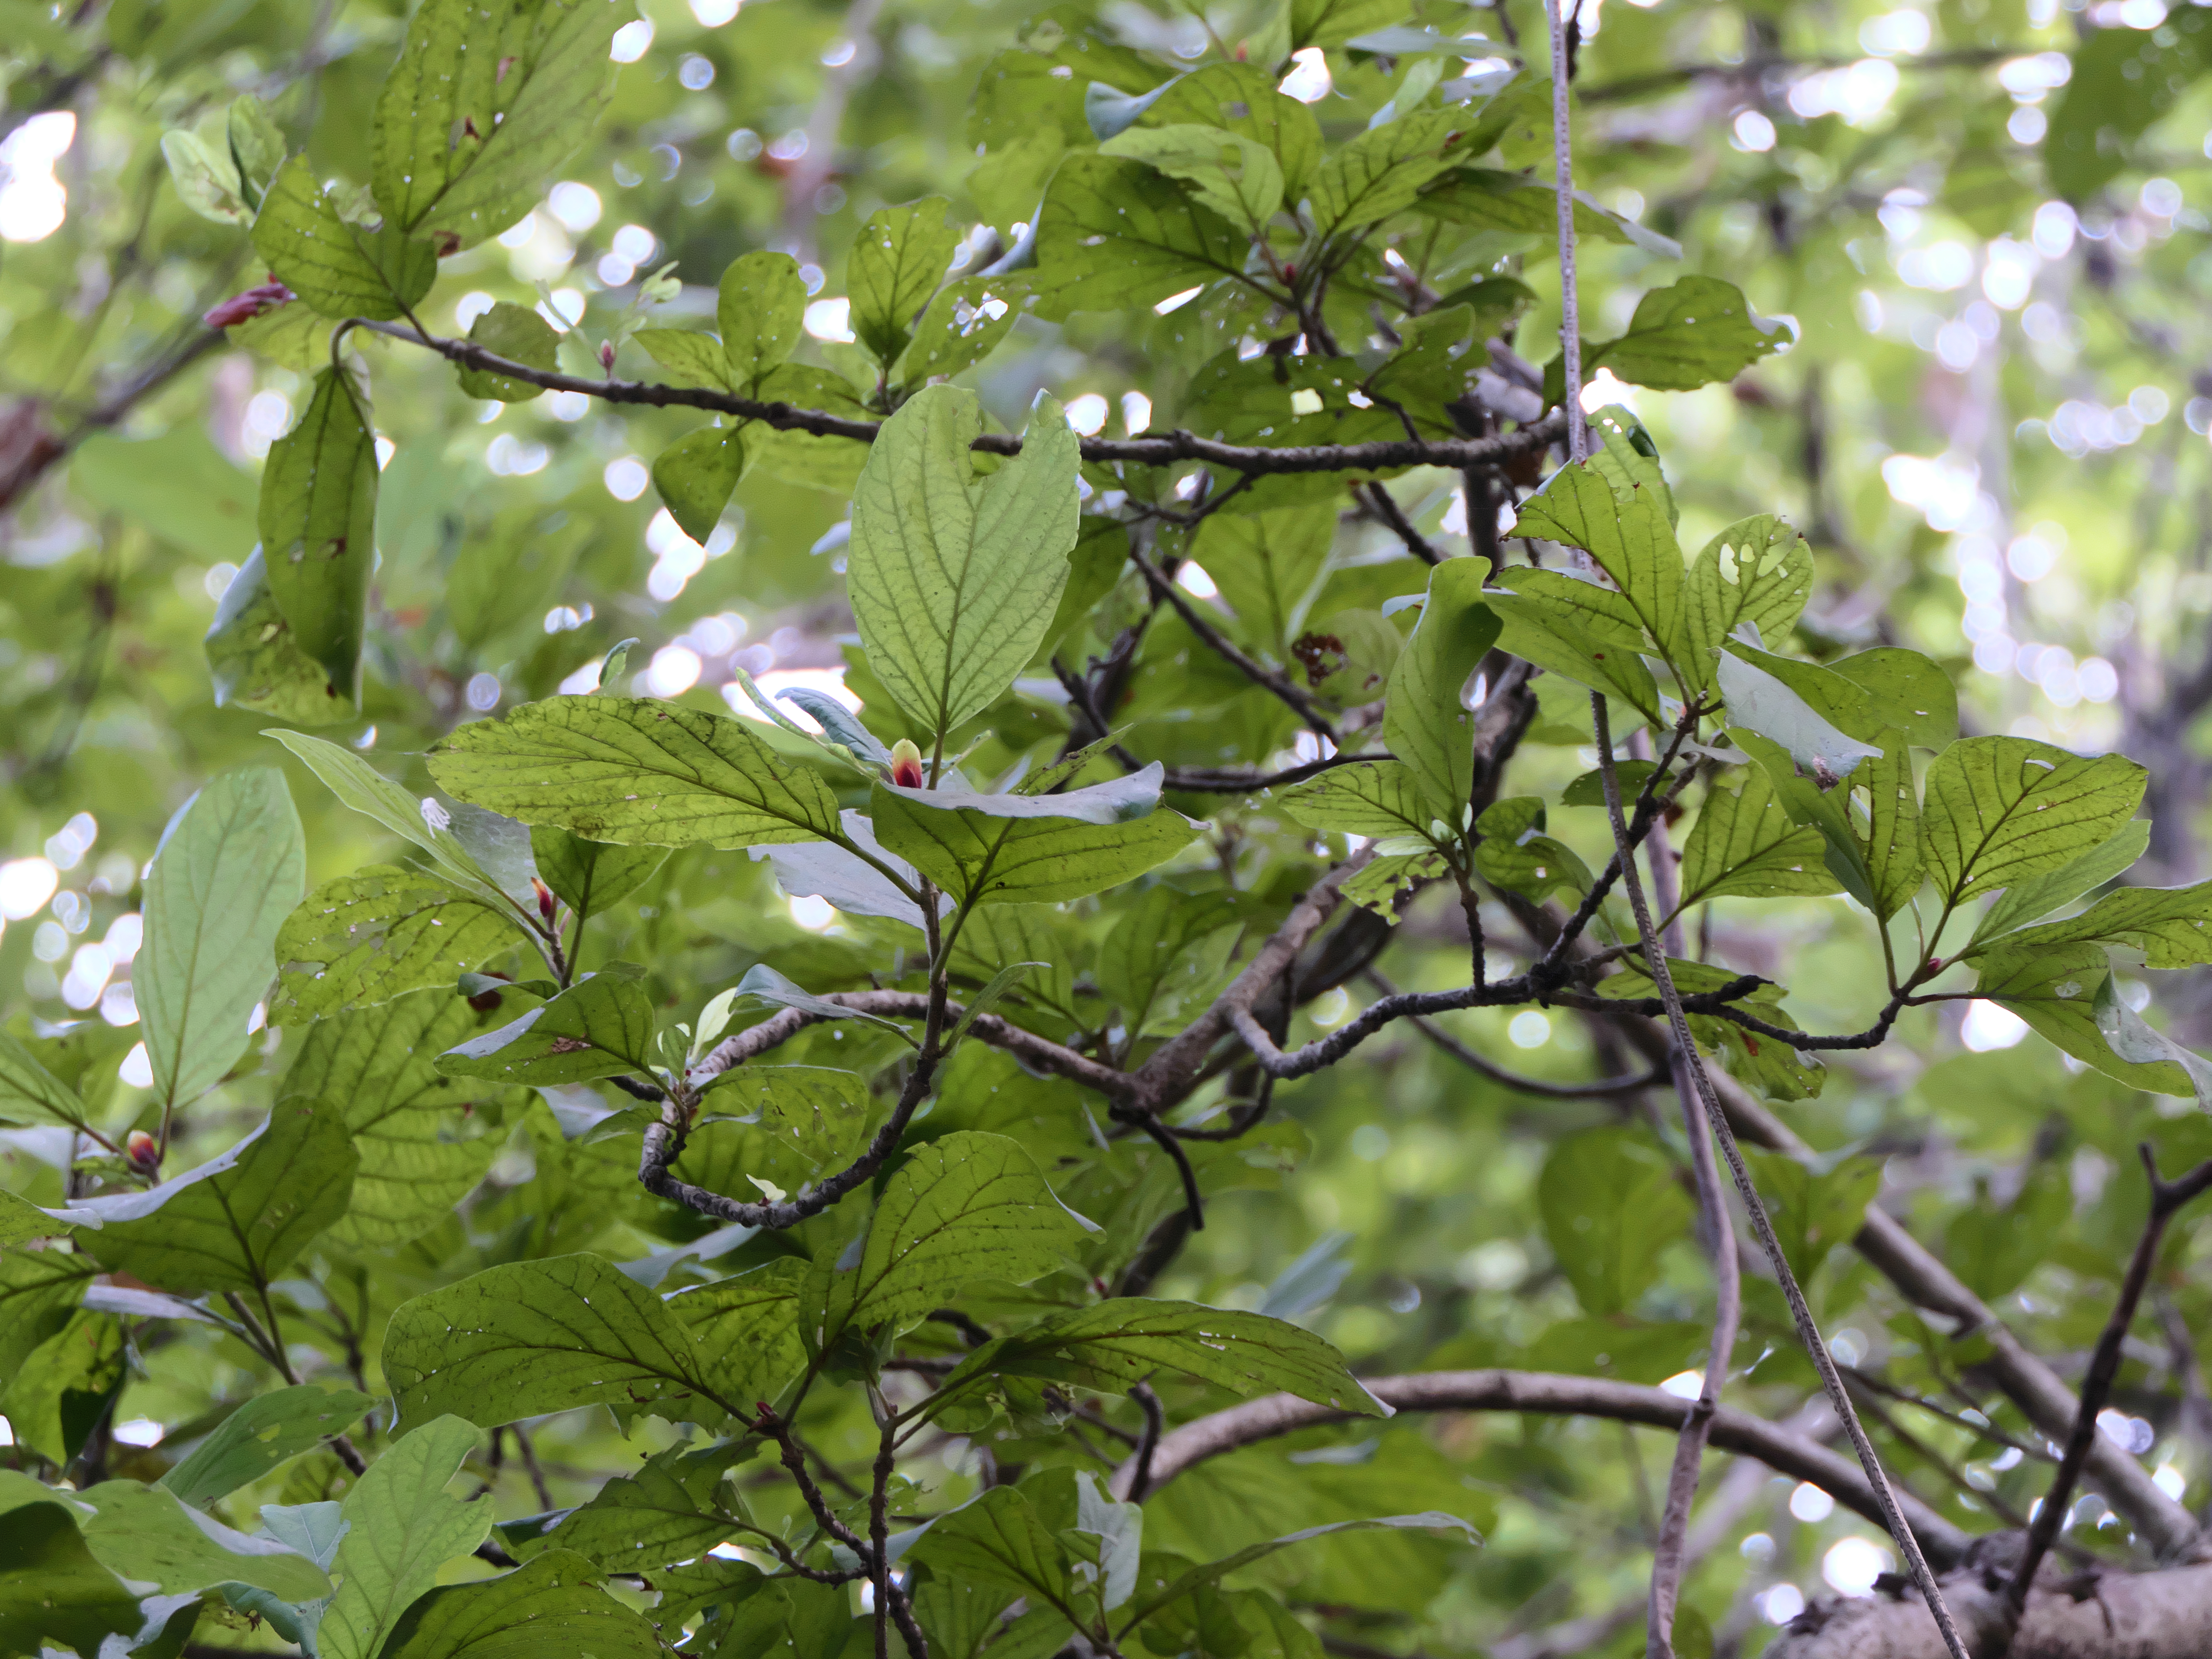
column 2150, row 1615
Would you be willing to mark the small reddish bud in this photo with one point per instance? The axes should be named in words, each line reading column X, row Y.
column 906, row 764
column 143, row 1150
column 244, row 308
column 545, row 900
column 607, row 356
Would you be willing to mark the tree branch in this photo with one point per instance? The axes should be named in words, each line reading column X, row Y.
column 1808, row 1332
column 1163, row 450
column 1549, row 1394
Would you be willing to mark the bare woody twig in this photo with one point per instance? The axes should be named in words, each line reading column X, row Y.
column 2166, row 1199
column 1165, row 449
column 1808, row 1333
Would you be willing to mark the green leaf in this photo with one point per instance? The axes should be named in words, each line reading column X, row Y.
column 688, row 357
column 1631, row 540
column 147, row 1535
column 986, row 859
column 1515, row 855
column 2171, row 926
column 1267, row 566
column 1813, row 1212
column 239, row 1220
column 1901, row 689
column 788, row 1123
column 1630, row 461
column 53, row 1589
column 1118, row 800
column 317, row 517
column 256, row 144
column 646, row 1522
column 1995, row 1247
column 382, row 1063
column 1424, row 721
column 1695, row 331
column 897, row 260
column 231, row 864
column 1156, row 1596
column 1154, row 950
column 519, row 335
column 1479, row 198
column 1237, row 177
column 1761, row 702
column 2124, row 81
column 1333, row 23
column 763, row 981
column 1828, row 809
column 40, row 1290
column 695, row 477
column 1891, row 839
column 206, row 178
column 1114, row 234
column 1243, row 99
column 69, row 1381
column 2038, row 895
column 20, row 1219
column 1115, row 1346
column 401, row 1528
column 998, row 1540
column 29, row 1093
column 1610, row 1205
column 1757, row 571
column 486, row 101
column 532, row 1337
column 601, row 1026
column 953, row 578
column 255, row 662
column 1745, row 844
column 962, row 326
column 368, row 937
column 1530, row 630
column 747, row 1328
column 340, row 269
column 552, row 1603
column 635, row 771
column 507, row 580
column 1381, row 171
column 363, row 788
column 758, row 307
column 2000, row 810
column 2138, row 1043
column 1581, row 608
column 266, row 1430
column 966, row 1206
column 589, row 876
column 2055, row 990
column 1375, row 798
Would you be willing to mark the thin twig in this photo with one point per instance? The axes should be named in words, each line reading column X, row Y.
column 1300, row 703
column 1474, row 1060
column 1155, row 1420
column 1807, row 1331
column 1571, row 323
column 1386, row 509
column 1164, row 449
column 2166, row 1199
column 1671, row 1555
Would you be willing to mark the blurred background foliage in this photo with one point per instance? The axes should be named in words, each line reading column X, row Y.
column 1987, row 222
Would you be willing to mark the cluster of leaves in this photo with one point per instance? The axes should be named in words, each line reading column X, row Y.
column 915, row 1228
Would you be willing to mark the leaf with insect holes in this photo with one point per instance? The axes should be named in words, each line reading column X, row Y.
column 1997, row 811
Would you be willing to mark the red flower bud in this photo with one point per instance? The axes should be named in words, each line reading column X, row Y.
column 244, row 308
column 906, row 764
column 607, row 356
column 546, row 901
column 143, row 1150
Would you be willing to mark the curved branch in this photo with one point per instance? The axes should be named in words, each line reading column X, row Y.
column 1550, row 1395
column 1164, row 450
column 1299, row 701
